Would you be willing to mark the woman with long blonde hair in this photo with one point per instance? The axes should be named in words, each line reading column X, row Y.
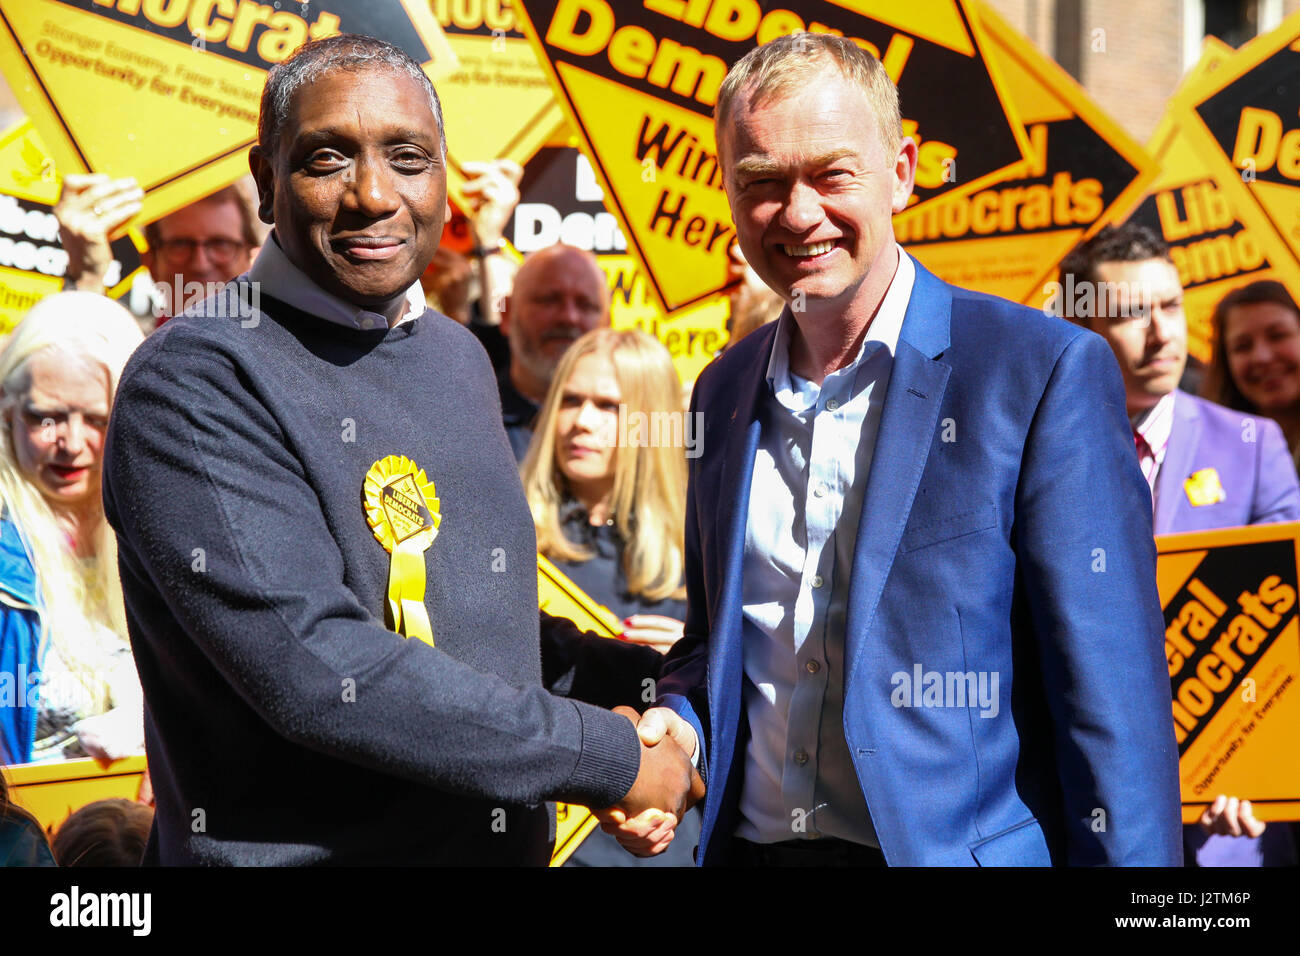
column 605, row 478
column 63, row 645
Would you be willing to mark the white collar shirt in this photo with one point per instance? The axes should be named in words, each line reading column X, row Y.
column 275, row 275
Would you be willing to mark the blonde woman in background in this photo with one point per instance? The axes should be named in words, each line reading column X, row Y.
column 64, row 653
column 610, row 508
column 608, row 496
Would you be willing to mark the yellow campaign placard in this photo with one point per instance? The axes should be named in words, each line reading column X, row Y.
column 1196, row 213
column 561, row 201
column 1212, row 248
column 1200, row 78
column 168, row 92
column 1008, row 238
column 1232, row 643
column 560, row 597
column 693, row 336
column 1243, row 120
column 498, row 103
column 32, row 260
column 51, row 792
column 639, row 83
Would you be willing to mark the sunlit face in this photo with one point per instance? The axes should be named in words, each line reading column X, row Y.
column 586, row 426
column 357, row 188
column 556, row 300
column 1151, row 349
column 813, row 192
column 200, row 246
column 58, row 427
column 1263, row 345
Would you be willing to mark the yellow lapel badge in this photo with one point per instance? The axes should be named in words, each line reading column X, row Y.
column 1204, row 488
column 402, row 510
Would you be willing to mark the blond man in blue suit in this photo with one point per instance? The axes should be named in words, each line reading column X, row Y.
column 922, row 623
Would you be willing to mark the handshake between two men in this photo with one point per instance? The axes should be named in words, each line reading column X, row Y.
column 666, row 786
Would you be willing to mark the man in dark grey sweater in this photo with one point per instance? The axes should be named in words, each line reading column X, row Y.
column 313, row 460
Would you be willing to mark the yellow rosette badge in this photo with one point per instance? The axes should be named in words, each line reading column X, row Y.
column 402, row 510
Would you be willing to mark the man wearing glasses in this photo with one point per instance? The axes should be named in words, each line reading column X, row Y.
column 192, row 252
column 1127, row 290
column 196, row 249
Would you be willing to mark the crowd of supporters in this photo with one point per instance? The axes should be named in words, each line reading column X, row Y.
column 609, row 513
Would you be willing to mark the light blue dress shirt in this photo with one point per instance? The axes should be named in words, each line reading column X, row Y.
column 806, row 493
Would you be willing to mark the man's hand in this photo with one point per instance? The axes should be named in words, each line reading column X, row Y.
column 90, row 209
column 649, row 832
column 659, row 722
column 1228, row 816
column 664, row 782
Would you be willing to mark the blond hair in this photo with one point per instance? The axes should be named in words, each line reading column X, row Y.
column 776, row 69
column 649, row 497
column 78, row 325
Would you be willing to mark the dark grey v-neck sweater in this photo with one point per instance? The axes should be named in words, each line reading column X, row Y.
column 286, row 723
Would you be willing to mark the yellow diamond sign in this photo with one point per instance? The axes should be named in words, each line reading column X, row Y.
column 639, row 82
column 167, row 91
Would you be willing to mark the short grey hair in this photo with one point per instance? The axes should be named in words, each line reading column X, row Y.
column 312, row 61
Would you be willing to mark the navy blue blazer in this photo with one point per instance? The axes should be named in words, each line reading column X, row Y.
column 1021, row 545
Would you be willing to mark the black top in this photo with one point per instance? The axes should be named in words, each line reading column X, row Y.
column 285, row 721
column 603, row 577
column 22, row 842
column 491, row 338
column 517, row 412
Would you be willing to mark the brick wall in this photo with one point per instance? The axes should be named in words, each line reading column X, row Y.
column 1128, row 54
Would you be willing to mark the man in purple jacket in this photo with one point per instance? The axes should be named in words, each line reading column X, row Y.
column 1208, row 466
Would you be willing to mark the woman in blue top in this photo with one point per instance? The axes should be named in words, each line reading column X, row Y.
column 67, row 680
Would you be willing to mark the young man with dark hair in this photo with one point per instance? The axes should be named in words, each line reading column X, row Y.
column 1125, row 288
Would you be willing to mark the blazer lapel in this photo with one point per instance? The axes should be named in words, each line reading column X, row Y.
column 907, row 428
column 743, row 426
column 1184, row 436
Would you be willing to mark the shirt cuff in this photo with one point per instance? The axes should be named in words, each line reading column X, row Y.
column 682, row 707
